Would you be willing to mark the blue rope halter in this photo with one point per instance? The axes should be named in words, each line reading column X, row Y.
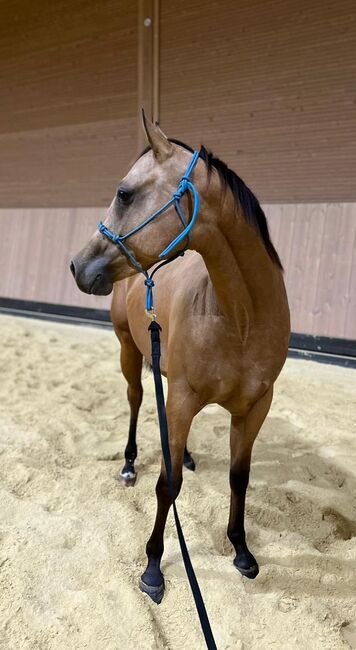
column 185, row 185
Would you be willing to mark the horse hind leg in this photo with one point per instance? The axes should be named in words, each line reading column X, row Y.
column 242, row 436
column 131, row 365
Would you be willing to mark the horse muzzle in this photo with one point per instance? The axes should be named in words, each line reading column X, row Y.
column 92, row 276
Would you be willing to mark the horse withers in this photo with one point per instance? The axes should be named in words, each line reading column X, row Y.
column 222, row 307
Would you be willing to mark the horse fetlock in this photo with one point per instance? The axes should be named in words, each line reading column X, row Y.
column 128, row 475
column 237, row 538
column 130, row 457
column 131, row 450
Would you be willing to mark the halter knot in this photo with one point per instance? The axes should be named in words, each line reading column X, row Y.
column 149, row 293
column 149, row 283
column 182, row 188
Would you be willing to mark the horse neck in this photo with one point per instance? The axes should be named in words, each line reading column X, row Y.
column 241, row 271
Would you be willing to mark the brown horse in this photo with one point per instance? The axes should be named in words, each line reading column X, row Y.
column 222, row 307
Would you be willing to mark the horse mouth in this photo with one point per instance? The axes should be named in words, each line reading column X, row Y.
column 101, row 285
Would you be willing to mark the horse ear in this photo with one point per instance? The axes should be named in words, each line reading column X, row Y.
column 159, row 142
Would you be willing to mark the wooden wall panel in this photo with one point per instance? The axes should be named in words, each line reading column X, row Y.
column 68, row 80
column 317, row 244
column 269, row 85
column 36, row 247
column 66, row 166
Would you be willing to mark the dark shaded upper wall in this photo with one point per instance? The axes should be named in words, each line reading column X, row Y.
column 68, row 80
column 269, row 85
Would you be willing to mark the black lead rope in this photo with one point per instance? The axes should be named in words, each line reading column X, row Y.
column 155, row 329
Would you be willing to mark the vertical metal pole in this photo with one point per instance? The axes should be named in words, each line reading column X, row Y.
column 147, row 64
column 156, row 61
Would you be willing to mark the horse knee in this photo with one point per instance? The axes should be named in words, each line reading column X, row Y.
column 162, row 488
column 135, row 394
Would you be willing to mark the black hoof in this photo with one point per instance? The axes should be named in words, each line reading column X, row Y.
column 155, row 593
column 247, row 565
column 127, row 479
column 189, row 461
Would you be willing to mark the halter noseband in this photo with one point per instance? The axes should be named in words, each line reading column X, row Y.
column 185, row 185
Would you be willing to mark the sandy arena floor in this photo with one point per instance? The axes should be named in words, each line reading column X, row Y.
column 73, row 540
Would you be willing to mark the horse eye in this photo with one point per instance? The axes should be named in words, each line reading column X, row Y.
column 124, row 196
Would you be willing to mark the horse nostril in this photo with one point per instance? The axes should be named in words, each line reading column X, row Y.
column 97, row 280
column 72, row 268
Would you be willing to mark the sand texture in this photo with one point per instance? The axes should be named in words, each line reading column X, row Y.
column 73, row 539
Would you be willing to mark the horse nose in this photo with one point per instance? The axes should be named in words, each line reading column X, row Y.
column 72, row 268
column 91, row 275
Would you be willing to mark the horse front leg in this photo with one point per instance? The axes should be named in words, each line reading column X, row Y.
column 131, row 365
column 180, row 412
column 242, row 436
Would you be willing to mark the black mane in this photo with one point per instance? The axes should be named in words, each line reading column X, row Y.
column 242, row 194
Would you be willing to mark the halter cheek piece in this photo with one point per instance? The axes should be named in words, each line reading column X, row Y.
column 185, row 185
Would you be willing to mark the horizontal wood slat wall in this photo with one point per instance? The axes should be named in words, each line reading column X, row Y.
column 36, row 246
column 269, row 85
column 68, row 79
column 316, row 243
